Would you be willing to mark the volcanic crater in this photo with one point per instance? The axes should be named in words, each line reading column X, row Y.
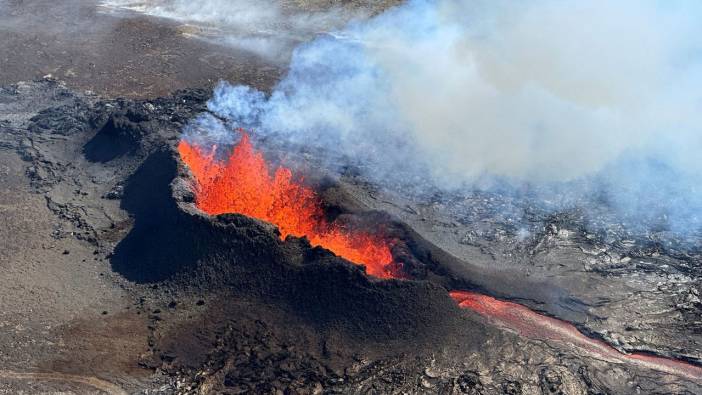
column 140, row 257
column 224, row 304
column 403, row 303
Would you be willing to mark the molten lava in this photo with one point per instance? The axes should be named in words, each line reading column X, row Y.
column 243, row 184
column 537, row 326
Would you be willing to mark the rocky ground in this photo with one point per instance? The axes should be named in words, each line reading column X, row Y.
column 112, row 55
column 637, row 291
column 113, row 281
column 116, row 276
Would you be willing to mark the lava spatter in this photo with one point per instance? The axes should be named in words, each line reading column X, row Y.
column 243, row 183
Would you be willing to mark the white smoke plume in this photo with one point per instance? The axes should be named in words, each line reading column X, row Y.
column 269, row 28
column 573, row 96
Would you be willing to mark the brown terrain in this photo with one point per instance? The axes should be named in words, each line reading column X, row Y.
column 113, row 281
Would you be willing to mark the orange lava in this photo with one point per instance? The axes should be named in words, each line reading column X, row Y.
column 244, row 184
column 531, row 324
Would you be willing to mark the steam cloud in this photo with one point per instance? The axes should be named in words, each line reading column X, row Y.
column 572, row 98
column 267, row 28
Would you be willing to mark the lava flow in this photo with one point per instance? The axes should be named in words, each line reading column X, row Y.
column 243, row 184
column 531, row 324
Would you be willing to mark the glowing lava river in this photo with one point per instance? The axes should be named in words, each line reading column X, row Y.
column 244, row 184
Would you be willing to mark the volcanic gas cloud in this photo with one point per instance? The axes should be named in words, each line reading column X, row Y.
column 245, row 184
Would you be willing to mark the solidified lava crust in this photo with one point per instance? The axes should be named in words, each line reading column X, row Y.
column 228, row 306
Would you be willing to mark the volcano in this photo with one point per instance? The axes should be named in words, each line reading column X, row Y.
column 243, row 183
column 236, row 286
column 312, row 226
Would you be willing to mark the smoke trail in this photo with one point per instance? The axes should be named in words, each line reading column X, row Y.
column 269, row 28
column 576, row 99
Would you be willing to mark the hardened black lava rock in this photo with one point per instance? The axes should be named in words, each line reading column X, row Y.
column 220, row 304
